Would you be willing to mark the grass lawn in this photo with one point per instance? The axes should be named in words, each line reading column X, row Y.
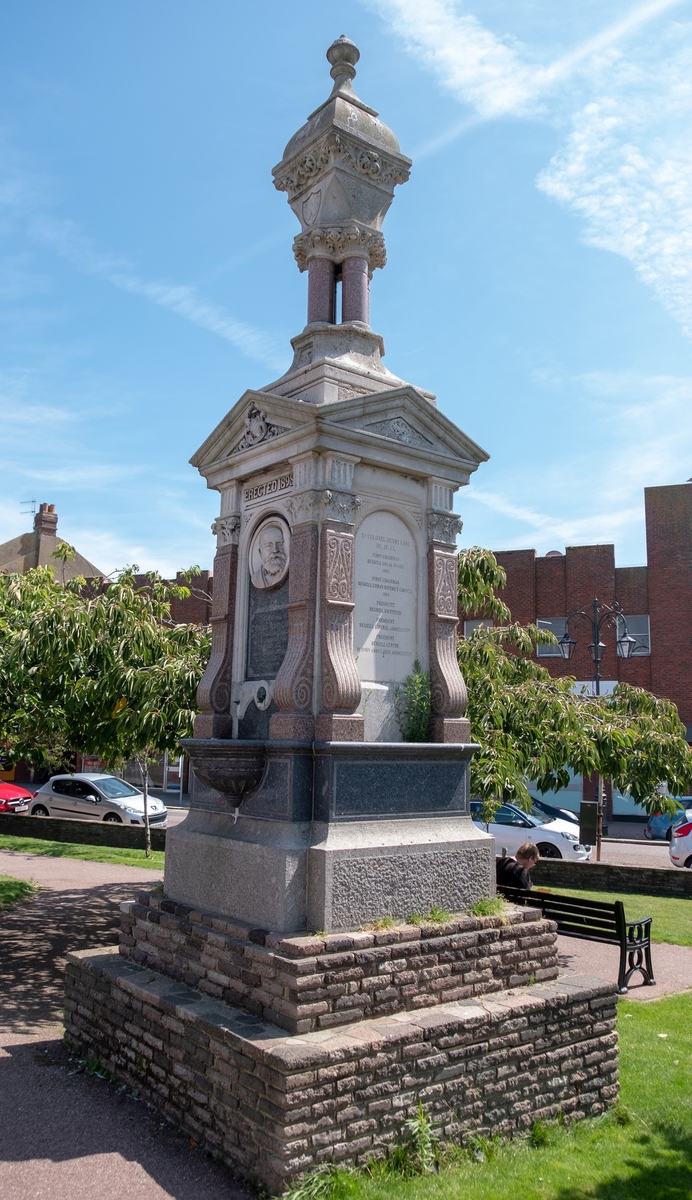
column 642, row 1152
column 672, row 918
column 106, row 854
column 13, row 891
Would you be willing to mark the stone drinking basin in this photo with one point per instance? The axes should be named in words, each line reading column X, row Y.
column 234, row 768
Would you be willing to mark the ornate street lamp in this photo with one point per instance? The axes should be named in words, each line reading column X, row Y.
column 601, row 616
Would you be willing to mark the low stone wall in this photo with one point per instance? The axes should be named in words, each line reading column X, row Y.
column 607, row 877
column 303, row 983
column 83, row 833
column 274, row 1105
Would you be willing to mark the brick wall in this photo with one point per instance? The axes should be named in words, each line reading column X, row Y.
column 274, row 1106
column 306, row 982
column 669, row 553
column 554, row 585
column 83, row 833
column 607, row 877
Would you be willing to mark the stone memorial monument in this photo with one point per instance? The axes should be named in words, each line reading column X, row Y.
column 335, row 572
column 261, row 1002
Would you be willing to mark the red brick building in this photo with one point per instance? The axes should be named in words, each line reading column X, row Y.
column 656, row 600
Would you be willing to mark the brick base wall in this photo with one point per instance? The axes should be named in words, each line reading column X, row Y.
column 306, row 982
column 274, row 1105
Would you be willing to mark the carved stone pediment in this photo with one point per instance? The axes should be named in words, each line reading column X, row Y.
column 400, row 430
column 258, row 428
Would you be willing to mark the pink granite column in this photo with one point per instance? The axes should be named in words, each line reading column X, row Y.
column 355, row 290
column 321, row 290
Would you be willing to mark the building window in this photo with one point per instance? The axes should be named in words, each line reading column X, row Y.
column 638, row 628
column 469, row 626
column 556, row 625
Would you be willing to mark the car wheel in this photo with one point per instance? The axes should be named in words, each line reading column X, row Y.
column 113, row 817
column 669, row 833
column 548, row 850
column 647, row 833
column 689, row 862
column 39, row 810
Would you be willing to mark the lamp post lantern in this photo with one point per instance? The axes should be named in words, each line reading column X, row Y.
column 600, row 617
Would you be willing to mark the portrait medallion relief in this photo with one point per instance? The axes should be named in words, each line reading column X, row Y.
column 269, row 554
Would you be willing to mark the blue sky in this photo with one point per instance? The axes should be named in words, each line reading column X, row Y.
column 540, row 259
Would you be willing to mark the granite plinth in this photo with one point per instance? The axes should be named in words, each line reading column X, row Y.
column 335, row 835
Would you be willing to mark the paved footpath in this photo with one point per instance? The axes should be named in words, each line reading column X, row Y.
column 64, row 1135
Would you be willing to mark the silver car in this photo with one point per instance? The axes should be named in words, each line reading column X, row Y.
column 96, row 798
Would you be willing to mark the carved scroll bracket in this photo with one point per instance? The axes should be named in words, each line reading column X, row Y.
column 214, row 690
column 449, row 696
column 341, row 688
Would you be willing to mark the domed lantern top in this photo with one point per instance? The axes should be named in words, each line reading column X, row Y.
column 339, row 172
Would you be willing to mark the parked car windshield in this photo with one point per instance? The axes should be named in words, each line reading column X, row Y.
column 115, row 789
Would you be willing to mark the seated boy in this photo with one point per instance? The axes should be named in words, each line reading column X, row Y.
column 514, row 871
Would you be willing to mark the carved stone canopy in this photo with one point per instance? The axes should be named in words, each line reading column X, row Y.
column 340, row 170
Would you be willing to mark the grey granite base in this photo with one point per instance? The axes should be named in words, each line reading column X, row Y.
column 250, row 870
column 290, row 876
column 362, row 870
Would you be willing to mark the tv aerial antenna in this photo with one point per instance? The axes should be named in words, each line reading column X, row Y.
column 27, row 507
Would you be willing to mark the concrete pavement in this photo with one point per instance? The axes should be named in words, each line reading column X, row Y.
column 64, row 1134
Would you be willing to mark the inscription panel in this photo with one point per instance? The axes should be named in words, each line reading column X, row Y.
column 386, row 576
column 267, row 631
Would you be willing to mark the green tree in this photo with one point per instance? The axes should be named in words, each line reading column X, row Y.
column 104, row 672
column 531, row 726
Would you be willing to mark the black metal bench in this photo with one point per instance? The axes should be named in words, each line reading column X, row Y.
column 595, row 921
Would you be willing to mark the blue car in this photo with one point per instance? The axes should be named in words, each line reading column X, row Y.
column 658, row 826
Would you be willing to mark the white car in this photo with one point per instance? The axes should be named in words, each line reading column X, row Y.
column 512, row 827
column 681, row 841
column 96, row 798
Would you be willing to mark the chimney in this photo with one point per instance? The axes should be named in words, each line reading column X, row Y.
column 46, row 521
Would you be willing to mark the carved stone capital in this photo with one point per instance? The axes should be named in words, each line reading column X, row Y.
column 338, row 242
column 304, row 507
column 337, row 149
column 340, row 506
column 226, row 530
column 317, row 504
column 443, row 528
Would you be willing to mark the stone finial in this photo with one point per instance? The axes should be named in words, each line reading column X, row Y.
column 343, row 54
column 339, row 172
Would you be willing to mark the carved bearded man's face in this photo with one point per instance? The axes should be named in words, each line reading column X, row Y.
column 272, row 552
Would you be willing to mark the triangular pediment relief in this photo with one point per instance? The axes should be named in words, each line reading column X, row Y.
column 399, row 430
column 257, row 418
column 405, row 416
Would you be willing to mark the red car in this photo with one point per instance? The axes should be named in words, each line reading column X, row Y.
column 14, row 799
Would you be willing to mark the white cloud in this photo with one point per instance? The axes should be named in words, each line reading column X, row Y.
column 65, row 237
column 629, row 429
column 627, row 170
column 626, row 166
